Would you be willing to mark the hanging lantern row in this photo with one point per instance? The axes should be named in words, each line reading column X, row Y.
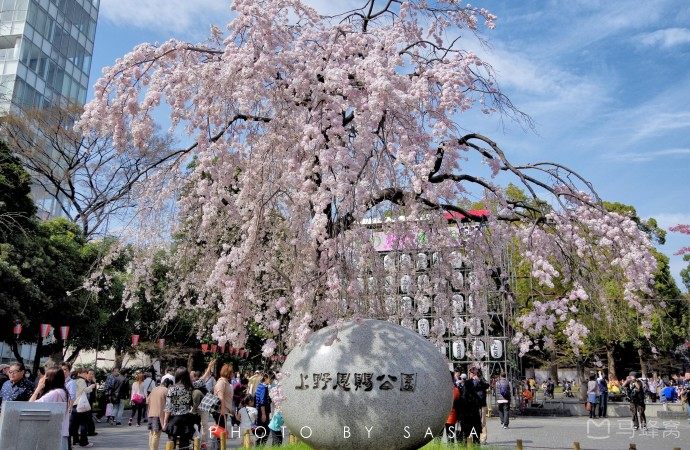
column 44, row 328
column 278, row 358
column 217, row 348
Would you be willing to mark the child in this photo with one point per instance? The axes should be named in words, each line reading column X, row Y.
column 247, row 414
column 276, row 427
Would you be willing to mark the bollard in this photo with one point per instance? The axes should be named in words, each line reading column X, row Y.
column 223, row 441
column 247, row 439
column 576, row 446
column 197, row 443
column 518, row 444
column 170, row 445
column 292, row 439
column 469, row 441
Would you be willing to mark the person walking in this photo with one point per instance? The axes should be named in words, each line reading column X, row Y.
column 156, row 404
column 119, row 391
column 603, row 382
column 178, row 421
column 503, row 395
column 51, row 389
column 90, row 423
column 224, row 391
column 262, row 399
column 79, row 428
column 452, row 418
column 592, row 395
column 635, row 392
column 481, row 387
column 470, row 412
column 137, row 398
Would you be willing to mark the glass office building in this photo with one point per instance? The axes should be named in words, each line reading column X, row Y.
column 45, row 51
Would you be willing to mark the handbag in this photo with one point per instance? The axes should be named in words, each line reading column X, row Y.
column 109, row 410
column 210, row 403
column 138, row 399
column 83, row 403
column 588, row 406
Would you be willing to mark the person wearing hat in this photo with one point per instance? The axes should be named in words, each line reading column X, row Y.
column 635, row 392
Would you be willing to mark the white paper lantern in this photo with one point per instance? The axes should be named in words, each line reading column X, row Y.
column 458, row 327
column 478, row 349
column 496, row 349
column 406, row 305
column 423, row 327
column 475, row 326
column 456, row 260
column 458, row 280
column 459, row 349
column 458, row 303
column 423, row 283
column 422, row 261
column 389, row 262
column 405, row 284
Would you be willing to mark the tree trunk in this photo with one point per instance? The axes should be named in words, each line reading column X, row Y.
column 611, row 363
column 56, row 348
column 74, row 355
column 643, row 362
column 37, row 356
column 190, row 362
column 553, row 369
column 582, row 379
column 119, row 355
column 15, row 350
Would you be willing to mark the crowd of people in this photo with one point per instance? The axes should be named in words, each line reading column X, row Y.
column 182, row 404
column 467, row 417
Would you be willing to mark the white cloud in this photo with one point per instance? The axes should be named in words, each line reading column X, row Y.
column 666, row 38
column 649, row 156
column 169, row 16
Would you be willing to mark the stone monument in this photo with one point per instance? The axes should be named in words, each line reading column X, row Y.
column 31, row 425
column 376, row 385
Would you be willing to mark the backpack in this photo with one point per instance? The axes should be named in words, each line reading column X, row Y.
column 504, row 389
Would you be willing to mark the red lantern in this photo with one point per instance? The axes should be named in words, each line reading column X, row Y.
column 245, row 353
column 161, row 343
column 214, row 348
column 135, row 340
column 233, row 350
column 45, row 330
column 17, row 330
column 204, row 348
column 64, row 332
column 221, row 348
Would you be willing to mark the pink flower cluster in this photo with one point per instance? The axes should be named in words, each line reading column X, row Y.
column 305, row 128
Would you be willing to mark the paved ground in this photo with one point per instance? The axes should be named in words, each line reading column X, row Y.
column 543, row 433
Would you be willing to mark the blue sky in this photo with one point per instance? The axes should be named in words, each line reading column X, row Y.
column 607, row 84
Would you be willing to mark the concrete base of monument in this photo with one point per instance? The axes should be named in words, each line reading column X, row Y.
column 376, row 385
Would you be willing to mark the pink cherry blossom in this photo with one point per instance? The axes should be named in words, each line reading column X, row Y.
column 311, row 133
